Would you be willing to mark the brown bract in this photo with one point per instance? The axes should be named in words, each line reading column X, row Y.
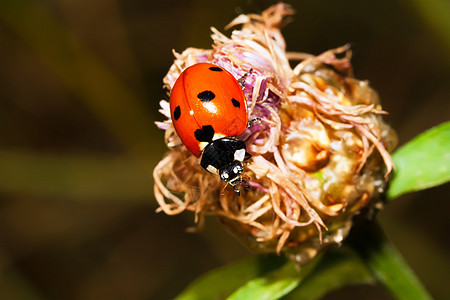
column 320, row 152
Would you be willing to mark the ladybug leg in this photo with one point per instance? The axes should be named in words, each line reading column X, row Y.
column 247, row 156
column 253, row 121
column 222, row 192
column 237, row 191
column 241, row 80
column 247, row 186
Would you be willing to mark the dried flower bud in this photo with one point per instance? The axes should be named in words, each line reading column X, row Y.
column 320, row 151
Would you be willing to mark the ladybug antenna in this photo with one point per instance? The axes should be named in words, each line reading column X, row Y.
column 241, row 80
column 253, row 121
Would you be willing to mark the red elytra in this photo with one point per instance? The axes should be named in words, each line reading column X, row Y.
column 207, row 95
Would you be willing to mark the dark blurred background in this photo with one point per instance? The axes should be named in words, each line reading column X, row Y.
column 80, row 83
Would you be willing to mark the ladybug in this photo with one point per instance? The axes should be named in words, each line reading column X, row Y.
column 208, row 108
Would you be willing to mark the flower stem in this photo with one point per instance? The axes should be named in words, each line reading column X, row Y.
column 385, row 262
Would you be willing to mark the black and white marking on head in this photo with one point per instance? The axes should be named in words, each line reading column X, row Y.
column 205, row 134
column 232, row 173
column 235, row 103
column 206, row 96
column 224, row 157
column 216, row 69
column 177, row 113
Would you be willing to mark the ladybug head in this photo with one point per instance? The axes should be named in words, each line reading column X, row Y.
column 231, row 173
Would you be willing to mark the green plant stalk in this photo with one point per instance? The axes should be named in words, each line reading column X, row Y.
column 275, row 284
column 338, row 267
column 222, row 282
column 385, row 262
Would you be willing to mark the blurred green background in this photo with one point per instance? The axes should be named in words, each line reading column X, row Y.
column 80, row 83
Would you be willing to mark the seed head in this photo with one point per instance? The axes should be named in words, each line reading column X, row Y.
column 320, row 153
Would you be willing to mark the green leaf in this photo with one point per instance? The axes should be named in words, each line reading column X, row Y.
column 275, row 284
column 385, row 263
column 338, row 267
column 221, row 282
column 423, row 162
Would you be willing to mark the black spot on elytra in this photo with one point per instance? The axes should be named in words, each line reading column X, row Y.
column 177, row 113
column 217, row 69
column 205, row 134
column 235, row 103
column 206, row 96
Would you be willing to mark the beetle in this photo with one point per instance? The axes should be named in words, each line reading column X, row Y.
column 208, row 109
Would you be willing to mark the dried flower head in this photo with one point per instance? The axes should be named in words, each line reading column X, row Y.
column 320, row 152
